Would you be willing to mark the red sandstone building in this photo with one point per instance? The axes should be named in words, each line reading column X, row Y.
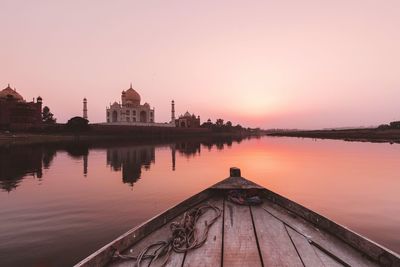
column 15, row 112
column 188, row 121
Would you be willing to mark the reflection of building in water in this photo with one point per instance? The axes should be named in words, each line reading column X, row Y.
column 193, row 148
column 131, row 160
column 173, row 157
column 78, row 151
column 18, row 162
column 85, row 165
column 187, row 149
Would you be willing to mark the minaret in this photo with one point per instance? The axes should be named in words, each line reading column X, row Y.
column 85, row 109
column 173, row 111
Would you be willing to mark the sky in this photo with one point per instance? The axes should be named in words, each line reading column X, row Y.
column 271, row 64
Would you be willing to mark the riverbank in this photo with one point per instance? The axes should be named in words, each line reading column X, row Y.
column 358, row 135
column 25, row 138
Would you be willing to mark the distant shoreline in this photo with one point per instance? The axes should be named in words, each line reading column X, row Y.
column 354, row 135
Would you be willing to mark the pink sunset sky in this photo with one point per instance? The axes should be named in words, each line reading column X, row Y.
column 286, row 64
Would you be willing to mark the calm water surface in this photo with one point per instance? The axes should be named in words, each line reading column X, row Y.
column 57, row 205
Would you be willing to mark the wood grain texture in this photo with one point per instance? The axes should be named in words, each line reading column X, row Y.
column 330, row 243
column 275, row 244
column 236, row 183
column 240, row 244
column 211, row 252
column 304, row 249
column 326, row 259
column 378, row 253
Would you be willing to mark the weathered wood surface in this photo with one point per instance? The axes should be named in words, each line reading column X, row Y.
column 327, row 260
column 211, row 252
column 330, row 243
column 236, row 183
column 275, row 244
column 104, row 255
column 379, row 254
column 304, row 249
column 240, row 244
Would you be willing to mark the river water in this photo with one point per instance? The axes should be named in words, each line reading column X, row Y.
column 60, row 203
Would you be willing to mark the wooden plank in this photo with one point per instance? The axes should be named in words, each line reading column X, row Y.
column 103, row 256
column 326, row 259
column 327, row 241
column 378, row 253
column 304, row 249
column 240, row 244
column 274, row 241
column 211, row 252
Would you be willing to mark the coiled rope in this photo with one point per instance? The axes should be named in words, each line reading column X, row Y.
column 184, row 237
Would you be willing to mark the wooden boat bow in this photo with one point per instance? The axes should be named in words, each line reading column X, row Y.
column 279, row 232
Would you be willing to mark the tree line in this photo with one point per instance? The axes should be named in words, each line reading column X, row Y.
column 220, row 126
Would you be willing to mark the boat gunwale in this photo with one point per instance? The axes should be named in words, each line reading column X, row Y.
column 374, row 251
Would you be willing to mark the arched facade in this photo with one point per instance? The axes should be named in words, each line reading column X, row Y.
column 143, row 116
column 188, row 121
column 114, row 116
column 129, row 110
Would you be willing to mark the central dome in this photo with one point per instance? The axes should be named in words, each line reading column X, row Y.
column 131, row 96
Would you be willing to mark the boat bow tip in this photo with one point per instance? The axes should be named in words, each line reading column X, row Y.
column 236, row 181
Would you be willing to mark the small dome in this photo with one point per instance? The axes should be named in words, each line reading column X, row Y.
column 187, row 114
column 8, row 92
column 146, row 105
column 115, row 104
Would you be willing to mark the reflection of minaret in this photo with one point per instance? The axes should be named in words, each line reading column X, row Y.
column 173, row 151
column 85, row 108
column 85, row 164
column 173, row 111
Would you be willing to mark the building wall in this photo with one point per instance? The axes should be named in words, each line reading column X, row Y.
column 188, row 122
column 142, row 113
column 14, row 112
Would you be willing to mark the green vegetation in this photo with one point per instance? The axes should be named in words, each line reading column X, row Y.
column 392, row 125
column 47, row 116
column 78, row 124
column 220, row 126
